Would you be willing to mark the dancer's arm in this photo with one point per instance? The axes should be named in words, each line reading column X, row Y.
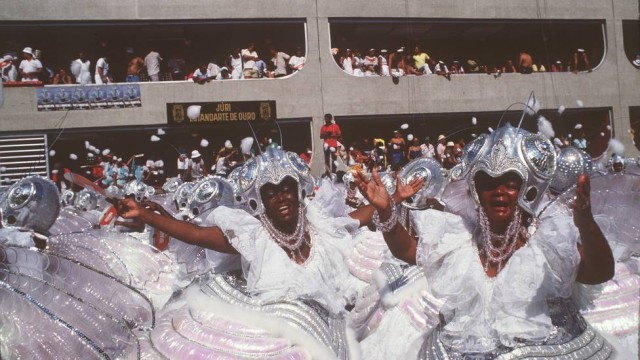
column 401, row 244
column 596, row 263
column 209, row 237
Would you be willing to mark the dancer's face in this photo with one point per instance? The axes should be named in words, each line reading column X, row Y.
column 498, row 197
column 281, row 202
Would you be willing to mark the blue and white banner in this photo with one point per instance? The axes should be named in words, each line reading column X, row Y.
column 88, row 97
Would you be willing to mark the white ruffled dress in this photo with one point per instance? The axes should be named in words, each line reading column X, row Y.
column 481, row 313
column 271, row 275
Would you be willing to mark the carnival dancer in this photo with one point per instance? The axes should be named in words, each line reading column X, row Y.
column 504, row 277
column 289, row 252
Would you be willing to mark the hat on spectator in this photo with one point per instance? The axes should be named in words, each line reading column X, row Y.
column 441, row 137
column 450, row 143
column 7, row 58
column 400, row 50
column 27, row 50
column 580, row 50
column 228, row 144
column 383, row 50
column 473, row 65
column 195, row 154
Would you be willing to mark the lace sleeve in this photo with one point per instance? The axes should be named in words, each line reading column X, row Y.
column 240, row 229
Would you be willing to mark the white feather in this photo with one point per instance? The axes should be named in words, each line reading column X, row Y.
column 616, row 146
column 561, row 109
column 474, row 121
column 52, row 153
column 155, row 138
column 86, row 144
column 557, row 142
column 608, row 127
column 106, row 152
column 90, row 155
column 578, row 126
column 404, row 126
column 410, row 137
column 193, row 111
column 159, row 163
column 545, row 127
column 602, row 134
column 204, row 143
column 92, row 148
column 88, row 172
column 3, row 169
column 160, row 131
column 579, row 103
column 73, row 156
column 246, row 144
column 97, row 151
column 533, row 105
column 490, row 129
column 75, row 68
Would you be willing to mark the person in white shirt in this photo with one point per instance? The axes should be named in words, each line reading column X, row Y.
column 7, row 69
column 152, row 62
column 249, row 56
column 30, row 67
column 80, row 69
column 427, row 148
column 442, row 140
column 102, row 71
column 296, row 62
column 183, row 164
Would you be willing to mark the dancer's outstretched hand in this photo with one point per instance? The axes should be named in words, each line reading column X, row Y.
column 404, row 192
column 128, row 208
column 373, row 190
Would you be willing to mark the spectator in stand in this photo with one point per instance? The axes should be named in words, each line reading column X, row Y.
column 397, row 148
column 556, row 66
column 409, row 68
column 370, row 63
column 177, row 67
column 201, row 75
column 414, row 150
column 525, row 64
column 346, row 61
column 509, row 67
column 580, row 141
column 30, row 67
column 224, row 74
column 61, row 77
column 101, row 75
column 8, row 69
column 427, row 148
column 472, row 66
column 152, row 62
column 213, row 70
column 420, row 61
column 396, row 63
column 234, row 62
column 249, row 57
column 580, row 61
column 456, row 68
column 183, row 164
column 296, row 62
column 458, row 150
column 440, row 68
column 80, row 69
column 197, row 170
column 383, row 63
column 442, row 140
column 448, row 158
column 358, row 62
column 261, row 68
column 306, row 156
column 330, row 133
column 279, row 60
column 134, row 67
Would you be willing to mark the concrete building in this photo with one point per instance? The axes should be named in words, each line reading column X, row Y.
column 322, row 87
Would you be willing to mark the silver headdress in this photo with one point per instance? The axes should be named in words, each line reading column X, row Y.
column 209, row 193
column 572, row 162
column 171, row 184
column 509, row 149
column 139, row 190
column 270, row 167
column 86, row 200
column 430, row 171
column 31, row 203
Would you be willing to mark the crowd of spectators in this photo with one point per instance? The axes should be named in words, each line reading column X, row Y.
column 241, row 63
column 403, row 62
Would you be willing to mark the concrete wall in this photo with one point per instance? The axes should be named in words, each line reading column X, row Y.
column 323, row 87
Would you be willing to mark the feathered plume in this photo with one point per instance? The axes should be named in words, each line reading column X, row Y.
column 86, row 144
column 578, row 126
column 404, row 126
column 204, row 143
column 579, row 103
column 106, row 152
column 410, row 137
column 545, row 127
column 155, row 138
column 52, row 153
column 245, row 145
column 474, row 121
column 73, row 156
column 160, row 131
column 616, row 146
column 561, row 109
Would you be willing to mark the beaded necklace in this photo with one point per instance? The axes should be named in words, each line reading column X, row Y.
column 292, row 242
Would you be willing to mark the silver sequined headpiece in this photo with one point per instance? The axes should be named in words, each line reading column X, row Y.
column 508, row 149
column 270, row 167
column 31, row 203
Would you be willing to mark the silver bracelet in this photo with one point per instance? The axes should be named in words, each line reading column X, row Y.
column 391, row 222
